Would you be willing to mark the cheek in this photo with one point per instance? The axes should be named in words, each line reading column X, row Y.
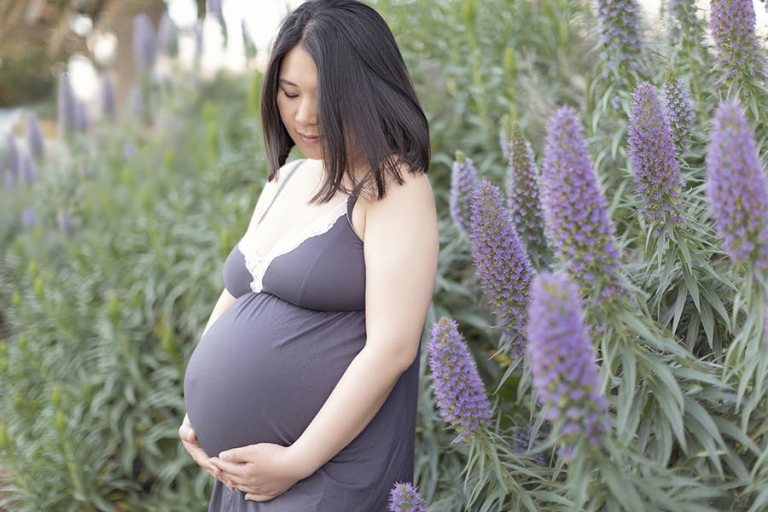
column 282, row 107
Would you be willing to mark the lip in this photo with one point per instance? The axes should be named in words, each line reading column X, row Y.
column 308, row 139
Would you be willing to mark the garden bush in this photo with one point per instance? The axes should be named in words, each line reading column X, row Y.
column 597, row 339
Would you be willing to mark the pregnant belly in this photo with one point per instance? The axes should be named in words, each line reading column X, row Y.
column 264, row 369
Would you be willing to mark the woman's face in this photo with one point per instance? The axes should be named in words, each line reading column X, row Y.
column 297, row 101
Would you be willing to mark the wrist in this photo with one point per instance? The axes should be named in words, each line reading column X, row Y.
column 300, row 463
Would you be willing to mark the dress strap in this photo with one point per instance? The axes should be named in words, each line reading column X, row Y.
column 280, row 189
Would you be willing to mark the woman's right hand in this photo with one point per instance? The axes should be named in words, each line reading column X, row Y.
column 189, row 440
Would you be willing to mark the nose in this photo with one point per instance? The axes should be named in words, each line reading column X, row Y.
column 306, row 114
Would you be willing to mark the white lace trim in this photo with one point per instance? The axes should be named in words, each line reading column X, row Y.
column 257, row 265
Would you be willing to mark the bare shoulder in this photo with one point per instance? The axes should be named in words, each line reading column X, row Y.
column 407, row 209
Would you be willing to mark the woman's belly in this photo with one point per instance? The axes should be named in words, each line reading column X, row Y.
column 264, row 369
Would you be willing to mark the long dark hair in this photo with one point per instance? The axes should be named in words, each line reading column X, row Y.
column 365, row 97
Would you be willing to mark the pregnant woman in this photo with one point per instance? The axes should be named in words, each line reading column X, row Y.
column 301, row 395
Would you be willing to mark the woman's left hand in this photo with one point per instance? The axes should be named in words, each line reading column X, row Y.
column 262, row 471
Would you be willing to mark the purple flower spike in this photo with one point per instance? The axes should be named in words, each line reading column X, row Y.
column 457, row 386
column 736, row 187
column 167, row 36
column 654, row 158
column 144, row 44
column 27, row 169
column 214, row 7
column 66, row 106
column 563, row 366
column 9, row 179
column 35, row 141
column 575, row 210
column 108, row 99
column 620, row 31
column 405, row 498
column 136, row 101
column 463, row 184
column 677, row 107
column 523, row 193
column 81, row 117
column 28, row 217
column 733, row 30
column 502, row 264
column 14, row 157
column 684, row 19
column 64, row 220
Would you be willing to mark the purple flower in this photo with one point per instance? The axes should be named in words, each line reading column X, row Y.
column 677, row 107
column 736, row 187
column 457, row 386
column 64, row 220
column 66, row 107
column 463, row 183
column 129, row 150
column 108, row 99
column 27, row 169
column 35, row 141
column 14, row 157
column 502, row 264
column 523, row 193
column 684, row 20
column 733, row 30
column 144, row 45
column 136, row 101
column 405, row 498
column 28, row 217
column 575, row 210
column 620, row 34
column 654, row 158
column 81, row 117
column 167, row 36
column 214, row 8
column 563, row 366
column 9, row 179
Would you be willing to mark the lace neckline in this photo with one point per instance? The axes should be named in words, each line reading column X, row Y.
column 257, row 264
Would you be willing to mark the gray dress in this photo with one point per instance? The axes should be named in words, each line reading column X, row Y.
column 266, row 366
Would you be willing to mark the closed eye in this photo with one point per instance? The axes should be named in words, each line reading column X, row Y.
column 288, row 95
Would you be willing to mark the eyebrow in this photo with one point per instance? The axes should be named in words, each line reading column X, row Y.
column 286, row 82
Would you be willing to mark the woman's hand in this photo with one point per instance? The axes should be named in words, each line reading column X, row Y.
column 262, row 471
column 189, row 440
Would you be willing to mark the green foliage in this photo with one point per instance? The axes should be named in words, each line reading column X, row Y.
column 102, row 321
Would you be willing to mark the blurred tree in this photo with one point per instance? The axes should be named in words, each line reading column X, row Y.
column 36, row 35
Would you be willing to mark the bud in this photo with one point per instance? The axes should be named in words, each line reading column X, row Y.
column 463, row 184
column 28, row 217
column 38, row 287
column 66, row 107
column 56, row 397
column 64, row 219
column 144, row 49
column 35, row 142
column 108, row 99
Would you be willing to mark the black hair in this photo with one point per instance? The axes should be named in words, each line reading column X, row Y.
column 365, row 97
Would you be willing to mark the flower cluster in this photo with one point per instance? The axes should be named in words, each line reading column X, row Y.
column 677, row 108
column 563, row 366
column 683, row 19
column 523, row 193
column 502, row 264
column 463, row 183
column 108, row 98
column 575, row 210
column 456, row 383
column 620, row 30
column 405, row 498
column 144, row 44
column 73, row 116
column 736, row 187
column 653, row 156
column 733, row 30
column 34, row 136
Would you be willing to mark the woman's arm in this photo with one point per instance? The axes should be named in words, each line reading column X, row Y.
column 401, row 249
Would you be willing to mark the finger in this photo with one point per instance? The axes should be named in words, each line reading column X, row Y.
column 231, row 468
